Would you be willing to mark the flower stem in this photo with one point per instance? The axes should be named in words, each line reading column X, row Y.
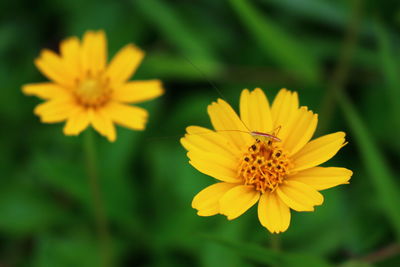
column 382, row 254
column 275, row 242
column 97, row 202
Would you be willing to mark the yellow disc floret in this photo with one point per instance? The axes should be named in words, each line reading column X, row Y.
column 265, row 165
column 92, row 92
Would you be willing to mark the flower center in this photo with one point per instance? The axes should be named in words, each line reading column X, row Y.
column 265, row 165
column 92, row 92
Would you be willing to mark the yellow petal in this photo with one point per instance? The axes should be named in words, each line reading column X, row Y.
column 53, row 68
column 284, row 111
column 124, row 64
column 86, row 52
column 71, row 55
column 321, row 178
column 255, row 111
column 203, row 139
column 206, row 202
column 77, row 122
column 245, row 108
column 128, row 116
column 238, row 200
column 273, row 213
column 225, row 120
column 55, row 110
column 221, row 167
column 318, row 151
column 46, row 90
column 299, row 196
column 101, row 49
column 138, row 91
column 94, row 52
column 102, row 123
column 302, row 130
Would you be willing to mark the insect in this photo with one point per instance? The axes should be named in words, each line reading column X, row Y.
column 270, row 137
column 260, row 136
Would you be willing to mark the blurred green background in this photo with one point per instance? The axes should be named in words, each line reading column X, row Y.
column 341, row 56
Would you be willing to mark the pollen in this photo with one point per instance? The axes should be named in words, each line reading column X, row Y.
column 265, row 165
column 93, row 91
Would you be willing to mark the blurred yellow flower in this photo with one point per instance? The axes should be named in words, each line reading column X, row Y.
column 85, row 90
column 279, row 173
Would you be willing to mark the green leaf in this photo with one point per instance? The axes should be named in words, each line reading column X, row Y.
column 268, row 256
column 25, row 210
column 381, row 176
column 63, row 176
column 275, row 42
column 63, row 250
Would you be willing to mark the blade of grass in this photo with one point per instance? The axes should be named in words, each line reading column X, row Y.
column 380, row 174
column 322, row 11
column 390, row 71
column 174, row 29
column 167, row 66
column 341, row 72
column 276, row 43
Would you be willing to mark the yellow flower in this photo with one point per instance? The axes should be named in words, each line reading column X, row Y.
column 85, row 90
column 279, row 173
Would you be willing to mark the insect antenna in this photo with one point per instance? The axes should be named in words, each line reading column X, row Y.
column 204, row 76
column 216, row 89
